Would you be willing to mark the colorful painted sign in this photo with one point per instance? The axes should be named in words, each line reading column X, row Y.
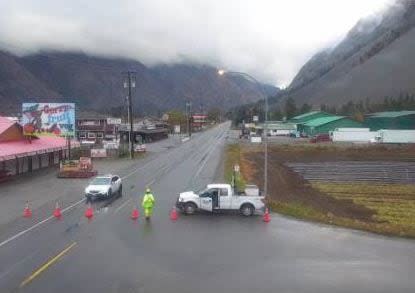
column 48, row 119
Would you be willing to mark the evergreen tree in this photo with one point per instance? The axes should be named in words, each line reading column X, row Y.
column 305, row 108
column 332, row 110
column 368, row 107
column 276, row 115
column 290, row 108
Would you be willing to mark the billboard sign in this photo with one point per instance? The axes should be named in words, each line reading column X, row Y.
column 48, row 119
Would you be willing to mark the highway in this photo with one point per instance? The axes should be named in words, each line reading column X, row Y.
column 200, row 253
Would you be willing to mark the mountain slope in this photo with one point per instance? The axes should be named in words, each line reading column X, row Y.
column 16, row 82
column 376, row 59
column 97, row 83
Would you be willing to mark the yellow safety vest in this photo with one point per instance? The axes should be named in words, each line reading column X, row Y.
column 148, row 201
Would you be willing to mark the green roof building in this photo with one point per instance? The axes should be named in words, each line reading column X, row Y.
column 327, row 124
column 308, row 116
column 391, row 120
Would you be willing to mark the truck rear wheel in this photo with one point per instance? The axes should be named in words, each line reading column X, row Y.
column 190, row 208
column 247, row 210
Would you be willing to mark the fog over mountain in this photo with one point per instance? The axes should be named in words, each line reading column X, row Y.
column 267, row 38
column 96, row 83
column 375, row 60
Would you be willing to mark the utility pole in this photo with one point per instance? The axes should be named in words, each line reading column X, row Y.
column 203, row 115
column 129, row 83
column 265, row 96
column 265, row 144
column 188, row 117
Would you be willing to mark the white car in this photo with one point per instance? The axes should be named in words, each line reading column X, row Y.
column 102, row 187
column 221, row 197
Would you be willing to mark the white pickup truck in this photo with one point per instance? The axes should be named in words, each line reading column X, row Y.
column 221, row 197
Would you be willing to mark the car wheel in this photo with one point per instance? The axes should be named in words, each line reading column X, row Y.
column 247, row 210
column 190, row 208
column 120, row 191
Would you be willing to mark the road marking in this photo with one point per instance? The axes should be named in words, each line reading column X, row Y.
column 82, row 200
column 53, row 260
column 210, row 151
column 123, row 205
column 38, row 224
column 139, row 168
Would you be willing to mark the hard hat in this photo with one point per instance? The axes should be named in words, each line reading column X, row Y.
column 148, row 190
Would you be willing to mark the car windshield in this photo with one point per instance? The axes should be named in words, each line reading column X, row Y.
column 101, row 181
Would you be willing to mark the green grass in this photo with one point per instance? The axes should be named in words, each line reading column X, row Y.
column 301, row 211
column 297, row 210
column 232, row 157
column 394, row 204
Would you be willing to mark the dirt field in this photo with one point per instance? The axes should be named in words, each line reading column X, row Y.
column 390, row 212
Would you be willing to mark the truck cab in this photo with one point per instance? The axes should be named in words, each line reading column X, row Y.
column 221, row 197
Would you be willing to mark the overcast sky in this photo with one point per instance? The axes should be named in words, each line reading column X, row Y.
column 270, row 39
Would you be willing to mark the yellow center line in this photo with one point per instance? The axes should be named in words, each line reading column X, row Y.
column 46, row 265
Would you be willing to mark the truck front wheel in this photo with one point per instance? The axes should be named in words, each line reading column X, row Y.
column 247, row 210
column 190, row 208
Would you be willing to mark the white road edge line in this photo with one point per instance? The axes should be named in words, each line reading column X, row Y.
column 123, row 205
column 139, row 168
column 207, row 157
column 21, row 233
column 38, row 224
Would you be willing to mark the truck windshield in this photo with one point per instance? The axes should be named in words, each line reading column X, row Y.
column 202, row 191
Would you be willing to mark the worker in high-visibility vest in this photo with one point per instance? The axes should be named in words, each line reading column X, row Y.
column 148, row 203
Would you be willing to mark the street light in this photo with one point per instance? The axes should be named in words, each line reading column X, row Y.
column 222, row 72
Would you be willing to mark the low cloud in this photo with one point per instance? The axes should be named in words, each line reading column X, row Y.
column 270, row 39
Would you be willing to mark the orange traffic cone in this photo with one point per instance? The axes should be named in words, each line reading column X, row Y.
column 267, row 217
column 135, row 213
column 89, row 212
column 173, row 214
column 27, row 212
column 57, row 213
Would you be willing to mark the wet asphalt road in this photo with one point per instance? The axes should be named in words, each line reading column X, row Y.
column 201, row 253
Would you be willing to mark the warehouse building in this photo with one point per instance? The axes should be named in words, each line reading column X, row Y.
column 276, row 128
column 145, row 131
column 327, row 124
column 391, row 120
column 308, row 116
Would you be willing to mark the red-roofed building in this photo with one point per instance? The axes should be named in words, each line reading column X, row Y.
column 18, row 154
column 199, row 121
